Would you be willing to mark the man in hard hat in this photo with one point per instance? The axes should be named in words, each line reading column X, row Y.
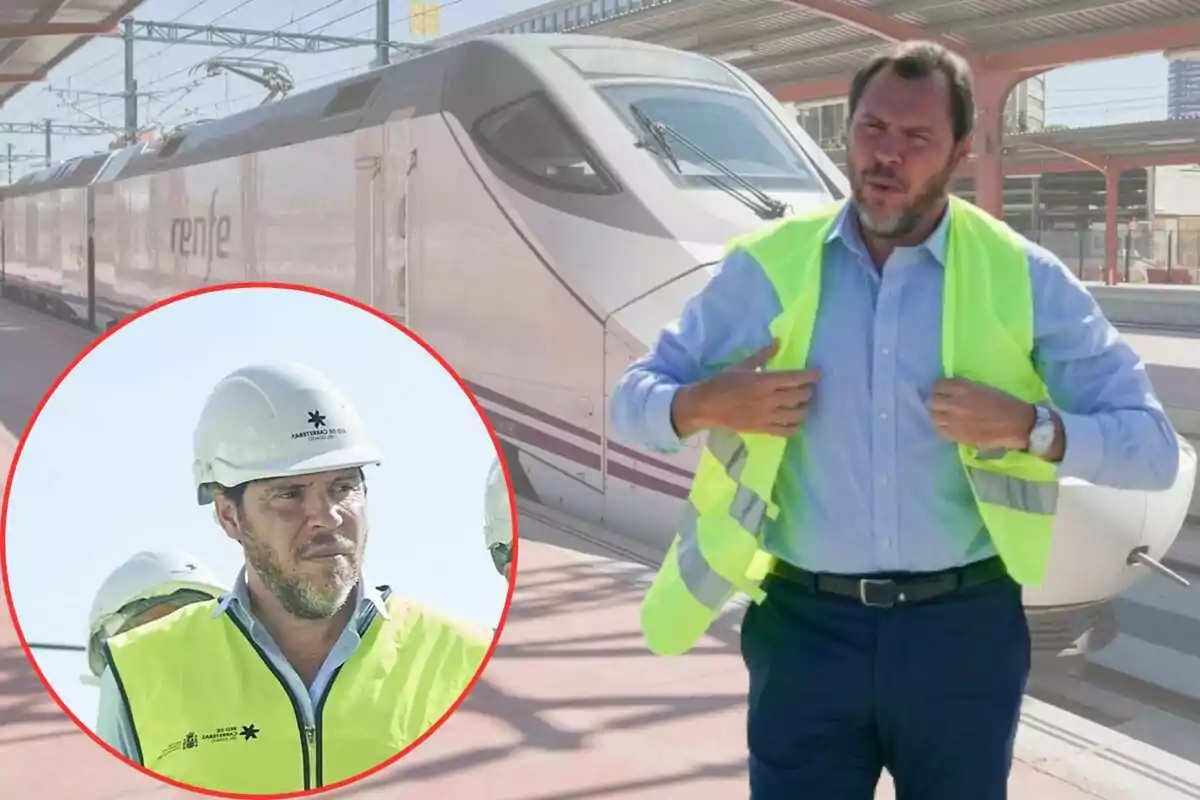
column 497, row 524
column 149, row 586
column 891, row 387
column 305, row 674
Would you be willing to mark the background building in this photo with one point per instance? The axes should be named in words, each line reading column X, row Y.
column 1183, row 89
column 1025, row 111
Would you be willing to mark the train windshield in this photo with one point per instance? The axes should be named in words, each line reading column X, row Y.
column 729, row 128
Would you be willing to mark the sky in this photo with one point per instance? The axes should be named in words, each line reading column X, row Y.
column 1099, row 93
column 106, row 471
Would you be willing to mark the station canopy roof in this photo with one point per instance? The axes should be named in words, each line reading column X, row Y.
column 37, row 35
column 1133, row 144
column 1080, row 149
column 808, row 49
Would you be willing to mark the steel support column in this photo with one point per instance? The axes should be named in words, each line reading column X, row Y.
column 383, row 34
column 1112, row 180
column 991, row 93
column 131, row 92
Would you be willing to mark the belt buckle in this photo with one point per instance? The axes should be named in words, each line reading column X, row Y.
column 881, row 583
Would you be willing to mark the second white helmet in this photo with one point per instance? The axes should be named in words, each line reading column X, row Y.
column 145, row 575
column 498, row 528
column 273, row 421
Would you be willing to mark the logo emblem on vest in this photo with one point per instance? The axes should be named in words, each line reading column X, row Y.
column 227, row 733
column 320, row 429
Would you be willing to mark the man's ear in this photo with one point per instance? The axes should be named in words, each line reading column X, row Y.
column 225, row 512
column 962, row 150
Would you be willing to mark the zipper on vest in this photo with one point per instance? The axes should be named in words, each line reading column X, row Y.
column 318, row 757
column 312, row 754
column 306, row 734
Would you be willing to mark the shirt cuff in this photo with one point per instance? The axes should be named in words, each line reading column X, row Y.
column 1085, row 446
column 658, row 419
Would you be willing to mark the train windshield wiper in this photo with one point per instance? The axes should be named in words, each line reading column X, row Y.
column 762, row 204
column 657, row 134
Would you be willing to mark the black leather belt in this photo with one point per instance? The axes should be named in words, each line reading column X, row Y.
column 901, row 590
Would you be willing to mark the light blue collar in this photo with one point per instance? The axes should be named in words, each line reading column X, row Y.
column 368, row 596
column 846, row 228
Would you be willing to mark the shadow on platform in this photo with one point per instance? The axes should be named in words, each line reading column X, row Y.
column 35, row 349
column 572, row 677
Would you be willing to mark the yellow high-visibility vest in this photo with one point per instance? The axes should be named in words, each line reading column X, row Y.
column 987, row 337
column 209, row 710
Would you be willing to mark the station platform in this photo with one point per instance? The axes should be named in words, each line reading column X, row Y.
column 572, row 707
column 1150, row 305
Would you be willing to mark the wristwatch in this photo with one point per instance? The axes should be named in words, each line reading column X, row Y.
column 1041, row 438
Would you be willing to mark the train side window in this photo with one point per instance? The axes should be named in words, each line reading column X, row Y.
column 530, row 137
column 350, row 98
column 170, row 146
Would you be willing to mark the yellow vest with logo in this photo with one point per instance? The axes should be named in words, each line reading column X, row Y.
column 209, row 710
column 987, row 337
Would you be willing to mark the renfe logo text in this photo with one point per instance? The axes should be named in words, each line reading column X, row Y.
column 202, row 236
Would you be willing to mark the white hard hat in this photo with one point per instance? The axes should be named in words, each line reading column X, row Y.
column 497, row 511
column 145, row 575
column 273, row 421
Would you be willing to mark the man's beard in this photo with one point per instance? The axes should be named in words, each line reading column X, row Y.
column 902, row 223
column 297, row 596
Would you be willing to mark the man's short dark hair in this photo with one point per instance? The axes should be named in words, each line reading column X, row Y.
column 918, row 60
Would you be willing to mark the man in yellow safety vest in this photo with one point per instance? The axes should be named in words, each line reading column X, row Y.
column 891, row 389
column 148, row 586
column 304, row 674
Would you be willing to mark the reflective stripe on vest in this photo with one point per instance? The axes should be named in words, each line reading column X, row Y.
column 747, row 509
column 210, row 711
column 718, row 549
column 1014, row 493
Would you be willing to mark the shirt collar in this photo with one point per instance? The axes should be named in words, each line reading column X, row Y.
column 846, row 228
column 367, row 595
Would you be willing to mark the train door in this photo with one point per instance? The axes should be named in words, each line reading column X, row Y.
column 89, row 252
column 369, row 257
column 248, row 166
column 397, row 217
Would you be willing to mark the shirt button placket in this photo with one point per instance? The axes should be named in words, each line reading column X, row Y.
column 883, row 444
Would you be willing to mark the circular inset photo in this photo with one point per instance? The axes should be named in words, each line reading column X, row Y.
column 259, row 541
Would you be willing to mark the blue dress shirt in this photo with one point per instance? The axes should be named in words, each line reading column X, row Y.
column 878, row 490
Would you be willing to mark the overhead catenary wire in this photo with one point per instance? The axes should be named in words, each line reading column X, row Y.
column 188, row 88
column 185, row 90
column 323, row 78
column 161, row 51
column 90, row 67
column 279, row 29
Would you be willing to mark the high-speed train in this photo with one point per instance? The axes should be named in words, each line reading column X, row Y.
column 536, row 207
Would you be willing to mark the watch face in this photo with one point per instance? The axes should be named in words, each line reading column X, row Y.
column 1042, row 436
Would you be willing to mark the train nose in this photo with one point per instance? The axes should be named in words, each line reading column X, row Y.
column 644, row 316
column 1105, row 539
